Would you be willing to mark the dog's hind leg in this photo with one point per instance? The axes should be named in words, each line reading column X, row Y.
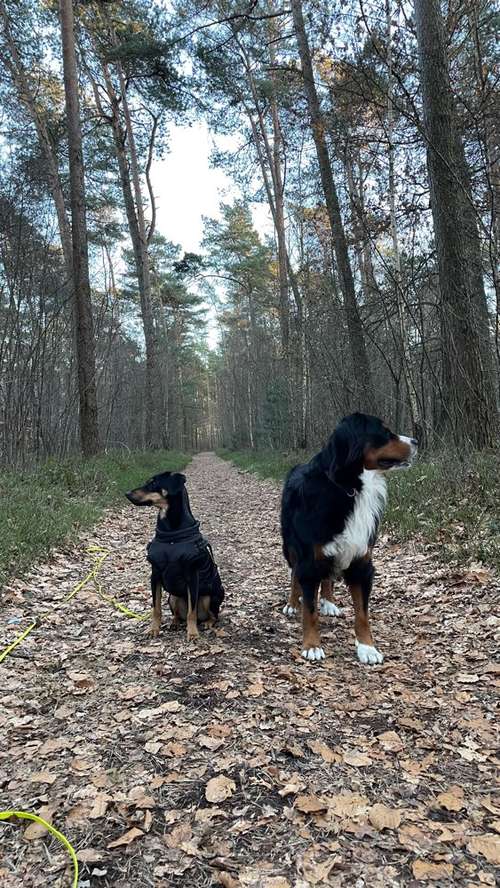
column 294, row 598
column 156, row 591
column 192, row 614
column 327, row 606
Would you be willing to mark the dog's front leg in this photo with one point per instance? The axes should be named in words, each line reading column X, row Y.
column 311, row 643
column 156, row 590
column 192, row 616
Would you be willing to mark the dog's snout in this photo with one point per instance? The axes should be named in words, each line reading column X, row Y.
column 414, row 442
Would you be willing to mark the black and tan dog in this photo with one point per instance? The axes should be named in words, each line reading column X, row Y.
column 330, row 512
column 181, row 559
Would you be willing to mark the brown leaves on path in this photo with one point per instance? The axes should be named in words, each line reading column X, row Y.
column 231, row 762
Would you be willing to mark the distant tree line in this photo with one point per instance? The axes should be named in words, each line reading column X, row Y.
column 370, row 133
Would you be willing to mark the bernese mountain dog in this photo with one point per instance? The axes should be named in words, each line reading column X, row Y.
column 330, row 512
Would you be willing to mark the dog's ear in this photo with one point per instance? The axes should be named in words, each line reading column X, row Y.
column 175, row 483
column 346, row 446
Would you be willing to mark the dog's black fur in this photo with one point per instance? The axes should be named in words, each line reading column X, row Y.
column 318, row 500
column 181, row 559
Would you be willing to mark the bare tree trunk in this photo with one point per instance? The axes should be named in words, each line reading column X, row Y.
column 361, row 369
column 82, row 304
column 470, row 410
column 154, row 386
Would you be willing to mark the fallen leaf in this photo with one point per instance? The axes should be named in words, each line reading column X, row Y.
column 138, row 797
column 89, row 855
column 181, row 833
column 310, row 804
column 355, row 758
column 348, row 804
column 488, row 845
column 414, row 839
column 206, row 814
column 317, row 873
column 100, row 807
column 295, row 784
column 131, row 692
column 80, row 764
column 452, row 800
column 276, row 882
column 382, row 817
column 127, row 838
column 320, row 748
column 208, row 742
column 53, row 745
column 43, row 777
column 36, row 830
column 478, row 574
column 219, row 788
column 172, row 706
column 390, row 741
column 227, row 881
column 255, row 690
column 425, row 870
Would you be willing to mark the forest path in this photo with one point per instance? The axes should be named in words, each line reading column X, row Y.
column 323, row 774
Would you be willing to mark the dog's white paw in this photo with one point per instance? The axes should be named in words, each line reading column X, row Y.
column 368, row 654
column 313, row 654
column 328, row 608
column 289, row 611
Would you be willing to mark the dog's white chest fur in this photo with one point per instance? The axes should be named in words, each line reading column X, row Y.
column 353, row 542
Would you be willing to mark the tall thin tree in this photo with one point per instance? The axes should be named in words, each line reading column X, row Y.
column 82, row 305
column 361, row 369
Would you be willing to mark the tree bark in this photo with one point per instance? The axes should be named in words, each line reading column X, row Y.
column 469, row 413
column 82, row 304
column 365, row 393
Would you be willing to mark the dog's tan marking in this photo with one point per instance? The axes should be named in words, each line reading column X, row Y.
column 326, row 590
column 149, row 499
column 361, row 622
column 310, row 626
column 156, row 616
column 179, row 611
column 295, row 593
column 395, row 449
column 192, row 621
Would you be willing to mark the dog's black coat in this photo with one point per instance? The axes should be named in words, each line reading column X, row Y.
column 181, row 558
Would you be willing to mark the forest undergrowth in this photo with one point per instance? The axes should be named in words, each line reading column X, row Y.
column 50, row 504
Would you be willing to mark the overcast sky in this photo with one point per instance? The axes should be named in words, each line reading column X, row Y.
column 187, row 188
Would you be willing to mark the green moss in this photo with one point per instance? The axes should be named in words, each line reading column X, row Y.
column 50, row 504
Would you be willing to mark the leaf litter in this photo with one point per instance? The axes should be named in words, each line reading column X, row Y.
column 230, row 761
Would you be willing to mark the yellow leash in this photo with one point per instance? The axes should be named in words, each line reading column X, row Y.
column 24, row 815
column 100, row 557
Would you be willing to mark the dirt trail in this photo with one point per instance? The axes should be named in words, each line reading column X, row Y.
column 323, row 774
